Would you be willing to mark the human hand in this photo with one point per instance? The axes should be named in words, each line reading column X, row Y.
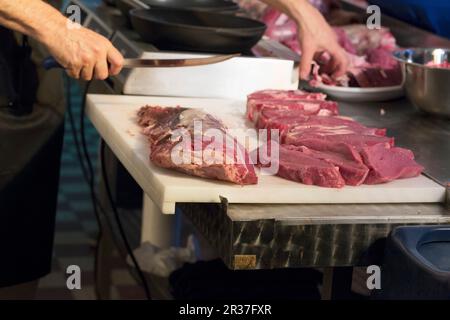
column 315, row 37
column 83, row 53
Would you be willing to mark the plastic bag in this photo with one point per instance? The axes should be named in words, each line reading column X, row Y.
column 162, row 262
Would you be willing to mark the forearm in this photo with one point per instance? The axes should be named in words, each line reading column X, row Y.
column 31, row 17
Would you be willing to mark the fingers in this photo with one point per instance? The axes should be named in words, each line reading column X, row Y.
column 306, row 61
column 101, row 69
column 87, row 72
column 74, row 73
column 340, row 63
column 115, row 60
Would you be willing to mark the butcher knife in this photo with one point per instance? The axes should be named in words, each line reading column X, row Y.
column 50, row 62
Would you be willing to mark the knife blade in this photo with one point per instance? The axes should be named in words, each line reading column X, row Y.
column 50, row 62
column 170, row 63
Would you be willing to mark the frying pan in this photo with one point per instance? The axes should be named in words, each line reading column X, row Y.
column 220, row 6
column 196, row 31
column 195, row 5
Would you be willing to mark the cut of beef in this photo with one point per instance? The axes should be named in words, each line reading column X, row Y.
column 354, row 173
column 364, row 39
column 283, row 120
column 387, row 164
column 344, row 149
column 376, row 77
column 290, row 99
column 296, row 165
column 357, row 141
column 354, row 153
column 304, row 107
column 296, row 120
column 336, row 125
column 164, row 127
column 285, row 95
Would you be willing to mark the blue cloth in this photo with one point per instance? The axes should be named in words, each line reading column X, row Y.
column 432, row 15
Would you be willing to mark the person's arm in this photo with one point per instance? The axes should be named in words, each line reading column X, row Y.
column 315, row 35
column 82, row 52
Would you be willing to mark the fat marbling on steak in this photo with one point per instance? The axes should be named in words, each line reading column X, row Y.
column 297, row 121
column 309, row 103
column 160, row 123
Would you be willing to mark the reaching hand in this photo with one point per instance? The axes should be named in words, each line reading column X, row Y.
column 316, row 36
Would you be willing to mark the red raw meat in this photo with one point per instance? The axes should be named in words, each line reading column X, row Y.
column 336, row 125
column 369, row 52
column 159, row 124
column 286, row 95
column 354, row 173
column 354, row 153
column 371, row 63
column 358, row 141
column 297, row 120
column 274, row 109
column 387, row 164
column 382, row 58
column 364, row 39
column 290, row 99
column 279, row 26
column 344, row 149
column 344, row 40
column 296, row 165
column 283, row 120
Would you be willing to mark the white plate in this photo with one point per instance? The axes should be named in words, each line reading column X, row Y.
column 362, row 94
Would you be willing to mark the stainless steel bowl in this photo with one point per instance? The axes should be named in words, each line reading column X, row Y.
column 427, row 87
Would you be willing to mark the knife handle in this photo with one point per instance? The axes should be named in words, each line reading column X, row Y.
column 51, row 63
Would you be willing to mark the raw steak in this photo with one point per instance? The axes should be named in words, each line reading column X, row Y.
column 160, row 124
column 344, row 149
column 293, row 108
column 296, row 99
column 354, row 153
column 336, row 125
column 387, row 164
column 296, row 120
column 354, row 173
column 296, row 165
column 358, row 141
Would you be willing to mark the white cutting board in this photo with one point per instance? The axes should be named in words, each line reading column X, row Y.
column 115, row 119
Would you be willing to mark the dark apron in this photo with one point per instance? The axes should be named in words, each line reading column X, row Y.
column 30, row 151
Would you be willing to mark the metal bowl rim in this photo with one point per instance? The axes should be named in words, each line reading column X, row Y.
column 415, row 63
